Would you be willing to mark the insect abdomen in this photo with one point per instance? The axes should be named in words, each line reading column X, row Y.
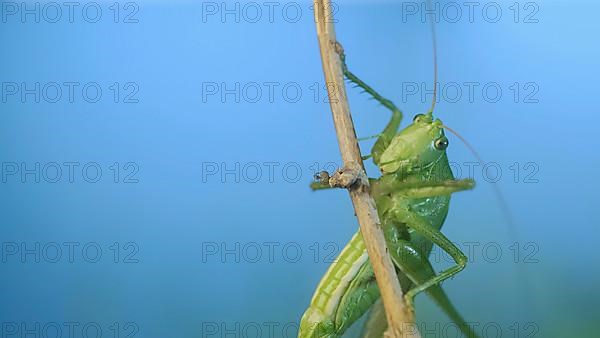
column 319, row 318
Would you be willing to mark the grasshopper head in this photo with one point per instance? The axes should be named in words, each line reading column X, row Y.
column 419, row 145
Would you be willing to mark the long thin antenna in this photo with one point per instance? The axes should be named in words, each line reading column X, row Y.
column 503, row 205
column 525, row 290
column 435, row 66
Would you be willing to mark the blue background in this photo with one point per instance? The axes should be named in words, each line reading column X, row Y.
column 193, row 230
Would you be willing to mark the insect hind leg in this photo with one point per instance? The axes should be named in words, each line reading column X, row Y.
column 422, row 227
column 412, row 261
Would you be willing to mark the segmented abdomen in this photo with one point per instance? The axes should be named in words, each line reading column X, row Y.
column 340, row 274
column 319, row 320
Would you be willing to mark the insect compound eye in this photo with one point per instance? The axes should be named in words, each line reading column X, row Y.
column 441, row 143
column 418, row 117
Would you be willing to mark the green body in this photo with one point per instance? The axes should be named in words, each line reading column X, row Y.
column 412, row 197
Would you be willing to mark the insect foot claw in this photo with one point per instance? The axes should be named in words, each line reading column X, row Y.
column 338, row 48
column 347, row 176
column 323, row 177
column 408, row 300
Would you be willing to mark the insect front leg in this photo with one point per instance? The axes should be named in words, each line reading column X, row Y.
column 390, row 130
column 425, row 189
